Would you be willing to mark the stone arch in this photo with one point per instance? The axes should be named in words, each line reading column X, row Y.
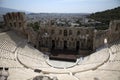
column 65, row 32
column 65, row 44
column 60, row 32
column 77, row 45
column 70, row 32
column 78, row 32
column 117, row 27
column 52, row 31
column 53, row 44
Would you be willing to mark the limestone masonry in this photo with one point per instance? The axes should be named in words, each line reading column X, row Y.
column 52, row 37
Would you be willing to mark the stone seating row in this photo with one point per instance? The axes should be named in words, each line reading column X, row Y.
column 32, row 49
column 98, row 75
column 6, row 54
column 32, row 62
column 27, row 58
column 115, row 48
column 114, row 62
column 12, row 37
column 7, row 46
column 112, row 66
column 21, row 74
column 9, row 63
column 93, row 58
column 117, row 56
column 65, row 77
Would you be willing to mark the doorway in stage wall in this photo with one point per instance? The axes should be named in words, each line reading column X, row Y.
column 53, row 44
column 77, row 45
column 65, row 45
column 63, row 54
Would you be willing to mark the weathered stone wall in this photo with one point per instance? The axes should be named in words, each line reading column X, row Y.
column 112, row 34
column 99, row 37
column 114, row 31
column 15, row 21
column 71, row 38
column 32, row 36
column 77, row 38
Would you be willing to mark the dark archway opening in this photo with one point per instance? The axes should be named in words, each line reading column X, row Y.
column 65, row 45
column 53, row 44
column 77, row 45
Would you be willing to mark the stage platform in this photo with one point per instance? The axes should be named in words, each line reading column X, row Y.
column 64, row 55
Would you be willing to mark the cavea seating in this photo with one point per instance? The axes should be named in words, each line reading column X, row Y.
column 22, row 59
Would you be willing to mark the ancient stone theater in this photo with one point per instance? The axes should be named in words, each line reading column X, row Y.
column 52, row 52
column 52, row 37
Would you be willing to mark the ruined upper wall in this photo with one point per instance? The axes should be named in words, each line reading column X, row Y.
column 114, row 31
column 15, row 16
column 112, row 34
column 15, row 20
